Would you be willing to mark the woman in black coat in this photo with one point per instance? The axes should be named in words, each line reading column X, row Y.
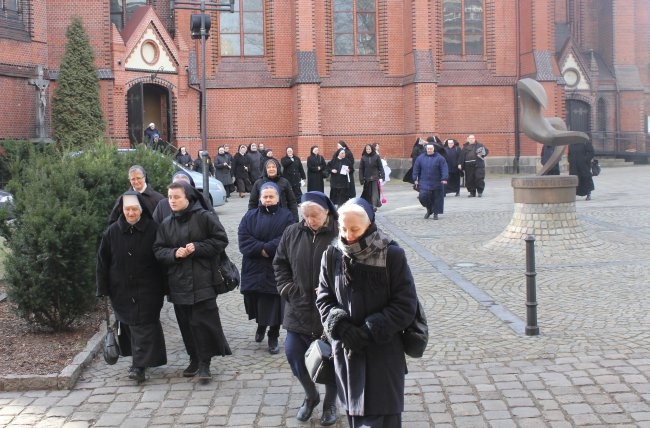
column 128, row 273
column 371, row 170
column 452, row 155
column 259, row 233
column 293, row 171
column 340, row 177
column 223, row 167
column 203, row 159
column 272, row 174
column 241, row 165
column 352, row 190
column 296, row 263
column 189, row 242
column 184, row 158
column 366, row 298
column 316, row 170
column 580, row 157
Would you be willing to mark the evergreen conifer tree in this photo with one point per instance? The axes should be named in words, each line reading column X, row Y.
column 76, row 108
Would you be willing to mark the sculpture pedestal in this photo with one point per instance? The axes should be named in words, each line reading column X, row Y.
column 545, row 208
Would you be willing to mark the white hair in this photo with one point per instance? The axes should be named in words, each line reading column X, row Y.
column 352, row 208
column 308, row 204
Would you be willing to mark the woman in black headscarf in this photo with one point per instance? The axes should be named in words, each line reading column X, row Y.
column 128, row 273
column 187, row 243
column 316, row 170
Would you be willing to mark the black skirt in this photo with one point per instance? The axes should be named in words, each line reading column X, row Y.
column 144, row 342
column 266, row 309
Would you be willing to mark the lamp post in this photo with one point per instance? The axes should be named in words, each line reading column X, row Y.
column 200, row 28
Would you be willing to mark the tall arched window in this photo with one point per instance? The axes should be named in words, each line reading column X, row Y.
column 242, row 33
column 462, row 27
column 355, row 27
column 121, row 10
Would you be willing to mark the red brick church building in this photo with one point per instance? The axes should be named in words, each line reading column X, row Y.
column 303, row 73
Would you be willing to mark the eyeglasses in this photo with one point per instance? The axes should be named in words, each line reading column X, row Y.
column 136, row 178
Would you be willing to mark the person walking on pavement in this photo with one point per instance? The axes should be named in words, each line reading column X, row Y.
column 580, row 157
column 259, row 233
column 371, row 171
column 293, row 171
column 352, row 190
column 366, row 298
column 472, row 162
column 316, row 170
column 139, row 183
column 340, row 168
column 184, row 158
column 241, row 166
column 452, row 155
column 128, row 273
column 223, row 168
column 257, row 162
column 430, row 172
column 187, row 242
column 272, row 174
column 297, row 266
column 203, row 160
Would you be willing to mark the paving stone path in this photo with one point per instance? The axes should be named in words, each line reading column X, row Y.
column 590, row 366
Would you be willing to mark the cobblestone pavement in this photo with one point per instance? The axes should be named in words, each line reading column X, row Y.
column 590, row 365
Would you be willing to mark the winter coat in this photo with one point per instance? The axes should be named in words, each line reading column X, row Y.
column 338, row 180
column 198, row 165
column 297, row 265
column 292, row 170
column 315, row 166
column 469, row 155
column 261, row 229
column 184, row 159
column 190, row 278
column 370, row 167
column 257, row 164
column 287, row 197
column 383, row 299
column 430, row 170
column 128, row 272
column 222, row 169
column 241, row 165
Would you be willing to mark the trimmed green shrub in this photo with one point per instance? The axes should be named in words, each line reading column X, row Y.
column 62, row 203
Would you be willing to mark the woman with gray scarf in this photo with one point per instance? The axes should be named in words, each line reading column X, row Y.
column 366, row 298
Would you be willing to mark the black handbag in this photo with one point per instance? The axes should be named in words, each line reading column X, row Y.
column 415, row 337
column 319, row 362
column 225, row 275
column 111, row 348
column 595, row 167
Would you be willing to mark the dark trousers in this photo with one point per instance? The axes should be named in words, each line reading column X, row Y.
column 474, row 178
column 433, row 200
column 295, row 346
column 380, row 421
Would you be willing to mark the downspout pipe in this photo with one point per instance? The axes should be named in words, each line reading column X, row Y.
column 515, row 162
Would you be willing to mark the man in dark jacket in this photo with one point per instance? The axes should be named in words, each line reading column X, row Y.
column 272, row 173
column 128, row 273
column 297, row 265
column 473, row 165
column 188, row 242
column 430, row 172
column 139, row 183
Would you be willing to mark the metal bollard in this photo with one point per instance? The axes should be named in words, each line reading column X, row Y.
column 531, row 295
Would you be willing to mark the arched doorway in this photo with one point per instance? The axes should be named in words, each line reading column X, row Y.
column 146, row 103
column 578, row 116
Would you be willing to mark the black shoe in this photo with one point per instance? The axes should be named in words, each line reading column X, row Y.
column 457, row 194
column 435, row 216
column 274, row 348
column 427, row 215
column 259, row 334
column 588, row 198
column 329, row 416
column 471, row 196
column 305, row 411
column 204, row 373
column 192, row 369
column 480, row 195
column 137, row 374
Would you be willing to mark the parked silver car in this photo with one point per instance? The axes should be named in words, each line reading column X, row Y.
column 217, row 191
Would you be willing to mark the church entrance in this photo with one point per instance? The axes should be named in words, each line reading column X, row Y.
column 149, row 103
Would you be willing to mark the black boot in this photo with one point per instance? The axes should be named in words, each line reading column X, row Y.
column 328, row 417
column 312, row 398
column 259, row 334
column 204, row 373
column 191, row 369
column 274, row 333
column 137, row 374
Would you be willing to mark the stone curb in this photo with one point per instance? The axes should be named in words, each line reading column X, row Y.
column 64, row 380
